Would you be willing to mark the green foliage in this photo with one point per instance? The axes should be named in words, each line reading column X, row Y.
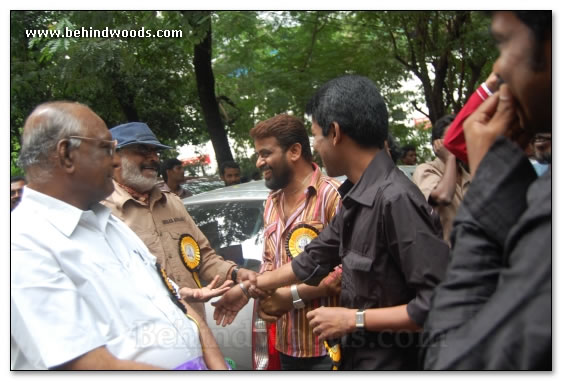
column 264, row 63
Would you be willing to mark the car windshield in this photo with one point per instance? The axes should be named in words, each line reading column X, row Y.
column 233, row 228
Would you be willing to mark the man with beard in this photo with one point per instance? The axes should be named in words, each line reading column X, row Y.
column 160, row 219
column 386, row 237
column 493, row 310
column 85, row 291
column 301, row 203
column 444, row 180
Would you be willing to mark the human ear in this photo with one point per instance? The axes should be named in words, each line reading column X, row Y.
column 337, row 133
column 65, row 157
column 295, row 151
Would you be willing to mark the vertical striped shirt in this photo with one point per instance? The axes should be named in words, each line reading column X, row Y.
column 294, row 336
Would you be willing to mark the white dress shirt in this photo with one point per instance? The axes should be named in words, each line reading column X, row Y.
column 83, row 279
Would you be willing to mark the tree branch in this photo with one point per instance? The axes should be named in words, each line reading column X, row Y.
column 413, row 103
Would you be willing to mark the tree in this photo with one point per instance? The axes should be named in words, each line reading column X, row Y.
column 232, row 69
column 447, row 51
column 201, row 22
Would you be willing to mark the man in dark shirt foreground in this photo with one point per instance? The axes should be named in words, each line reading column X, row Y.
column 493, row 310
column 386, row 236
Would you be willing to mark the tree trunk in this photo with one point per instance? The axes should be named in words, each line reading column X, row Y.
column 206, row 91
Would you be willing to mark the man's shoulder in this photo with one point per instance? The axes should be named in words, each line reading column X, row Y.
column 328, row 185
column 433, row 166
column 397, row 186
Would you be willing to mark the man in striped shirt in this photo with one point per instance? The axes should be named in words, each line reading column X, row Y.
column 301, row 203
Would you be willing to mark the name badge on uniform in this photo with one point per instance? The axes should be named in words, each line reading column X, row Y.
column 190, row 255
column 299, row 236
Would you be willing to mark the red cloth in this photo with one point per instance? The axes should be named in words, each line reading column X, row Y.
column 454, row 140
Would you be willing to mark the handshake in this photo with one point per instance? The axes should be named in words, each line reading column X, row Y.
column 274, row 302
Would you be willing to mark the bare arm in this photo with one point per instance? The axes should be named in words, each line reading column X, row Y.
column 211, row 353
column 330, row 323
column 444, row 191
column 281, row 301
column 280, row 277
column 101, row 359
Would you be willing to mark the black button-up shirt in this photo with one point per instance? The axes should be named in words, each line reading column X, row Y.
column 493, row 310
column 388, row 240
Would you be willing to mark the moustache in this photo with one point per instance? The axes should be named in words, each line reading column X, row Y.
column 153, row 165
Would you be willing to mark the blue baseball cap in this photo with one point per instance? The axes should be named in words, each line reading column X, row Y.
column 135, row 133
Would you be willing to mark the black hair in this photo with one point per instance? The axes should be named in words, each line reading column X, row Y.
column 354, row 102
column 17, row 178
column 227, row 164
column 538, row 21
column 406, row 148
column 167, row 165
column 440, row 126
column 394, row 148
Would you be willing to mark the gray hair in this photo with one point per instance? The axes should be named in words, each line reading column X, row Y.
column 44, row 128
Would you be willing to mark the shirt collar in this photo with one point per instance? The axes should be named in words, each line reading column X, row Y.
column 363, row 192
column 64, row 216
column 121, row 195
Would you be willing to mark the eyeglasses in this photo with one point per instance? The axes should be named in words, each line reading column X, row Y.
column 110, row 149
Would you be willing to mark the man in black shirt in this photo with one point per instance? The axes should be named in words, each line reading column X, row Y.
column 386, row 236
column 493, row 310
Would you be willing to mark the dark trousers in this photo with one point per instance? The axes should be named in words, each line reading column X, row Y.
column 307, row 363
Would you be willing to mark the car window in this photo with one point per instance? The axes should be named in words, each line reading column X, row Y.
column 234, row 229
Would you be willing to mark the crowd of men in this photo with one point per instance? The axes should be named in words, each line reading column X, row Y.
column 451, row 271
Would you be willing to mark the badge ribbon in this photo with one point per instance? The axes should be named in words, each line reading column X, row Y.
column 301, row 235
column 190, row 255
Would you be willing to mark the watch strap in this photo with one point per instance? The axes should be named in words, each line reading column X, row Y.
column 298, row 303
column 234, row 274
column 360, row 319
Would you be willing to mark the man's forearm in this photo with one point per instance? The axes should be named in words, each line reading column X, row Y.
column 444, row 191
column 211, row 352
column 280, row 277
column 101, row 359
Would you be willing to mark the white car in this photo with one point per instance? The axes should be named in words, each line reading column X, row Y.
column 231, row 219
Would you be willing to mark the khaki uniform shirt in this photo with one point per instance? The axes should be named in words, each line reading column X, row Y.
column 160, row 225
column 427, row 176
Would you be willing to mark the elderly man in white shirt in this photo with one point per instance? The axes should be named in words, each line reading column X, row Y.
column 85, row 291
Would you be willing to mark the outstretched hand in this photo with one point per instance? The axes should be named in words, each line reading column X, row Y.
column 206, row 293
column 227, row 308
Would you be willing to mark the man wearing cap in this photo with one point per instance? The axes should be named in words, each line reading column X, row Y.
column 84, row 289
column 159, row 217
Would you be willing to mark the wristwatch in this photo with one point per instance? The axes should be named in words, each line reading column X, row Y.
column 360, row 319
column 297, row 302
column 234, row 274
